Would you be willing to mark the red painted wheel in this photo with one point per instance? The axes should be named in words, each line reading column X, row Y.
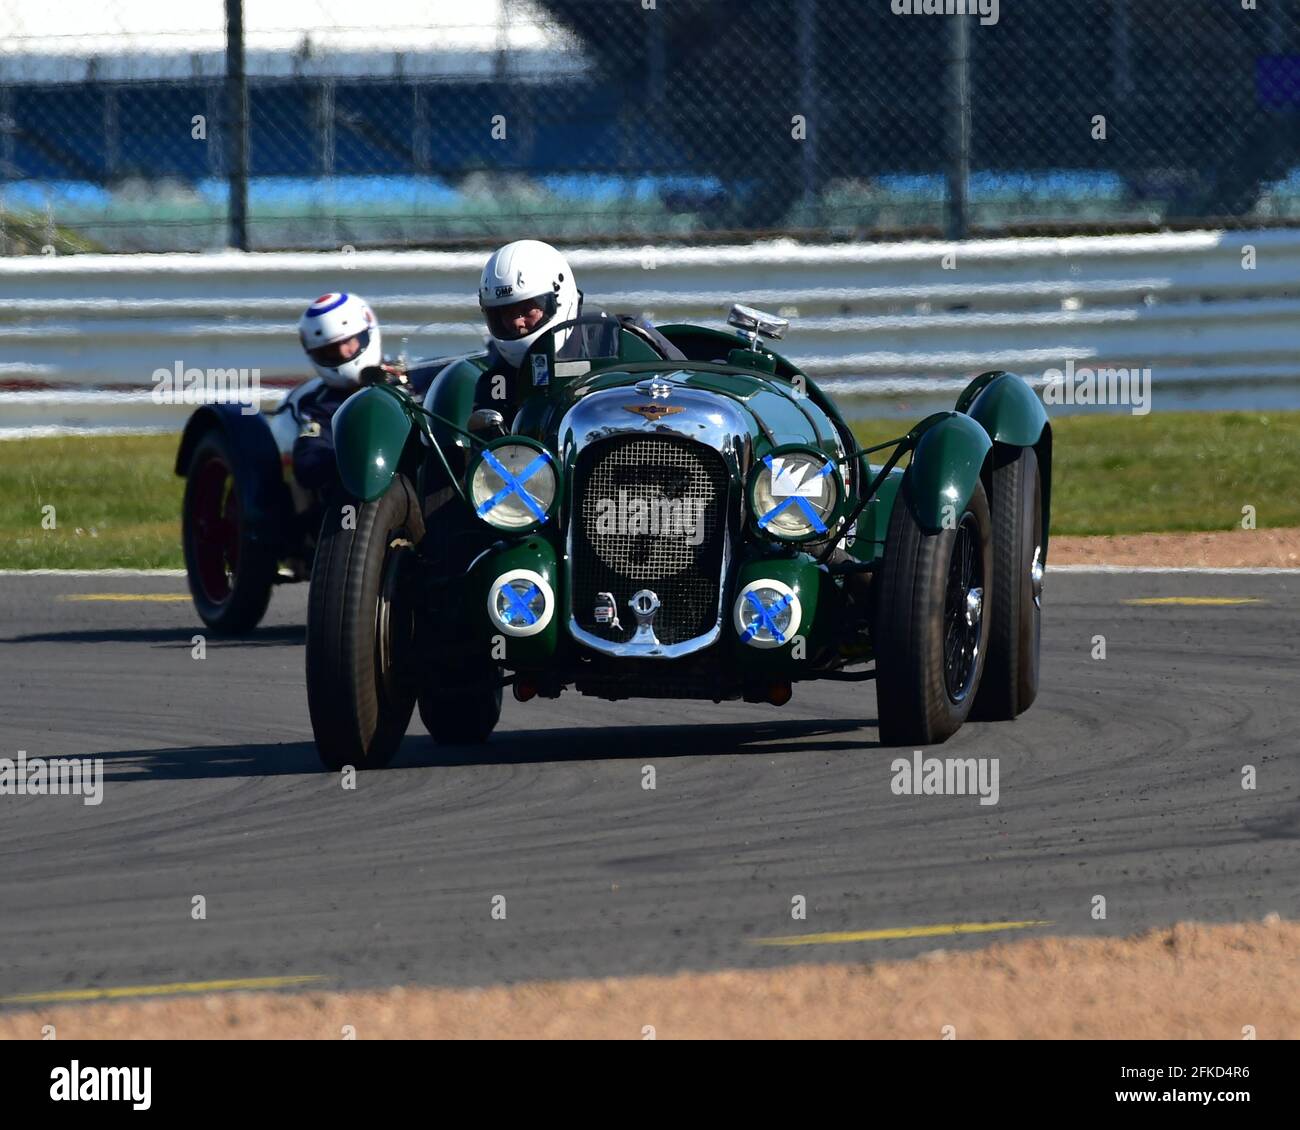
column 216, row 527
column 230, row 577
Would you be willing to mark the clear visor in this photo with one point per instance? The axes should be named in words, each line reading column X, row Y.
column 340, row 352
column 519, row 319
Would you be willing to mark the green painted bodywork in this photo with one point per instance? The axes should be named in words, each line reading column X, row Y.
column 780, row 405
column 370, row 434
column 873, row 525
column 453, row 399
column 535, row 553
column 1007, row 407
column 945, row 467
column 807, row 578
column 1013, row 415
column 777, row 416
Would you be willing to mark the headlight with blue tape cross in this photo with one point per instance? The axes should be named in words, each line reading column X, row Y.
column 513, row 485
column 767, row 613
column 521, row 602
column 795, row 494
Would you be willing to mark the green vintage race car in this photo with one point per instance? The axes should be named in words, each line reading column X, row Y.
column 671, row 512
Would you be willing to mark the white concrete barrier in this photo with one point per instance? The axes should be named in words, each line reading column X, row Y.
column 1187, row 305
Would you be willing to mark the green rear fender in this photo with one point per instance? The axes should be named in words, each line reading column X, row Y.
column 1006, row 406
column 945, row 467
column 370, row 434
column 1012, row 414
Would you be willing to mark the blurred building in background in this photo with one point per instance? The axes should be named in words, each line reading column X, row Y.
column 463, row 122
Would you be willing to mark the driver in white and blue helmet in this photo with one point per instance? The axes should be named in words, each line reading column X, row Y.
column 340, row 335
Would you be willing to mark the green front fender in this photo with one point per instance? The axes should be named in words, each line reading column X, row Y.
column 945, row 467
column 370, row 433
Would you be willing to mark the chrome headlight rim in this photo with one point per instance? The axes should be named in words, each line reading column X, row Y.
column 788, row 601
column 829, row 519
column 534, row 580
column 485, row 458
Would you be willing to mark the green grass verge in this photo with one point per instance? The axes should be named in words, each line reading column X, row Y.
column 1166, row 473
column 116, row 502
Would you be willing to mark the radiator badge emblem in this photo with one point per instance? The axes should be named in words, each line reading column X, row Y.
column 644, row 605
column 654, row 412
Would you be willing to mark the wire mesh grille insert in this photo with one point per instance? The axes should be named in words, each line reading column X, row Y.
column 650, row 513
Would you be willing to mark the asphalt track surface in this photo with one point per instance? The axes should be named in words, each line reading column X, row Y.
column 1124, row 780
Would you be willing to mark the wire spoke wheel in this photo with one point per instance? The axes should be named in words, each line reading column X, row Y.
column 963, row 612
column 931, row 626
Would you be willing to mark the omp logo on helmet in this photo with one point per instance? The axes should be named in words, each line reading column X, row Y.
column 502, row 291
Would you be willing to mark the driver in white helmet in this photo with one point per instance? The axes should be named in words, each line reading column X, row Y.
column 526, row 288
column 341, row 338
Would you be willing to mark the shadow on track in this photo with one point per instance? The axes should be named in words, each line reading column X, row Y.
column 615, row 743
column 173, row 637
column 518, row 747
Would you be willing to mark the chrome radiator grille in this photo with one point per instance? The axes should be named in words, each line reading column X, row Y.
column 650, row 513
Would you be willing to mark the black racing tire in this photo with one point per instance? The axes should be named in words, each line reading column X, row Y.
column 464, row 712
column 929, row 653
column 229, row 573
column 361, row 628
column 1010, row 682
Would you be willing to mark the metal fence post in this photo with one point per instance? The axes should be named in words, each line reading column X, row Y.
column 807, row 52
column 237, row 134
column 956, row 221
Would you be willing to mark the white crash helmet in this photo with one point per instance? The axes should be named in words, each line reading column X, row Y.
column 526, row 269
column 327, row 324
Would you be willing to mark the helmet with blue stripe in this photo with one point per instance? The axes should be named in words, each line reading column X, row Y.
column 341, row 337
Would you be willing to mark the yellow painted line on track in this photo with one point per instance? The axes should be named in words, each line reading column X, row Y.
column 158, row 597
column 1199, row 600
column 62, row 995
column 937, row 931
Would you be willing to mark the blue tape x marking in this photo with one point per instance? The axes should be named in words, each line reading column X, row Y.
column 794, row 500
column 514, row 485
column 519, row 611
column 765, row 617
